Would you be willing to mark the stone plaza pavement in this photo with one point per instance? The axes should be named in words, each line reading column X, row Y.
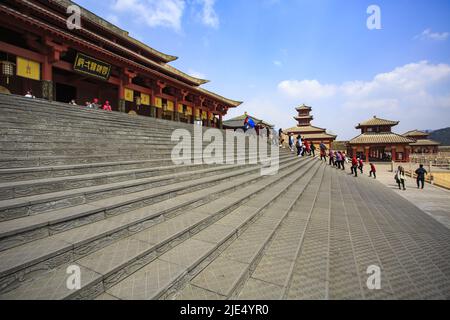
column 97, row 192
column 432, row 199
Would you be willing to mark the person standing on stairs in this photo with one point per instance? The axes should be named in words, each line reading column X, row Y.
column 331, row 155
column 313, row 149
column 323, row 151
column 107, row 106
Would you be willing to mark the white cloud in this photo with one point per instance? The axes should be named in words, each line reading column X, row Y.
column 196, row 74
column 416, row 94
column 209, row 15
column 167, row 13
column 428, row 34
column 306, row 89
column 277, row 63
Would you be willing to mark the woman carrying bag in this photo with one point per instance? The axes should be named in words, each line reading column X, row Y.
column 400, row 178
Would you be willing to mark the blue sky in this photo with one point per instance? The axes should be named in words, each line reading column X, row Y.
column 277, row 54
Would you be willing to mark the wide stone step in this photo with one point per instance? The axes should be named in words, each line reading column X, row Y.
column 271, row 277
column 25, row 188
column 221, row 277
column 76, row 243
column 121, row 258
column 33, row 205
column 32, row 173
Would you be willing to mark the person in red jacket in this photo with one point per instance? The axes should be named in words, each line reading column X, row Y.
column 107, row 106
column 355, row 166
column 373, row 171
column 307, row 148
column 360, row 165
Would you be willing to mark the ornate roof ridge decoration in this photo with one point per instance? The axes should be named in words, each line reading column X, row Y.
column 375, row 121
column 380, row 137
column 92, row 17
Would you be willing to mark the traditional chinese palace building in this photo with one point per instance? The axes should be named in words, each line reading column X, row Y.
column 309, row 132
column 377, row 142
column 39, row 52
column 422, row 143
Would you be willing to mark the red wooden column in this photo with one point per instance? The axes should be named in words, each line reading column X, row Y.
column 394, row 153
column 353, row 151
column 407, row 153
column 367, row 149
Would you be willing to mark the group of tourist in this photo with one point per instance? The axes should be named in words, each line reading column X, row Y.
column 95, row 105
column 300, row 146
column 338, row 159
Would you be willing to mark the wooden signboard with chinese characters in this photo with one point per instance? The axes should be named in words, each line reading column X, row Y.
column 93, row 67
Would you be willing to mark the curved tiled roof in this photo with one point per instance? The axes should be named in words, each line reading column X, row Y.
column 425, row 142
column 306, row 129
column 93, row 18
column 415, row 133
column 303, row 107
column 377, row 122
column 383, row 137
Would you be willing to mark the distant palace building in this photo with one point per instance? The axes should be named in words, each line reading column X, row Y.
column 98, row 60
column 309, row 132
column 377, row 142
column 422, row 143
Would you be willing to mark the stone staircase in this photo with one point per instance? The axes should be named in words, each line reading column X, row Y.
column 99, row 191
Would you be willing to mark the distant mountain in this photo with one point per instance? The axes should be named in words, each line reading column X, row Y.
column 442, row 136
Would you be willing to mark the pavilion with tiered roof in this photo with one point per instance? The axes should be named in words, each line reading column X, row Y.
column 422, row 143
column 377, row 142
column 309, row 132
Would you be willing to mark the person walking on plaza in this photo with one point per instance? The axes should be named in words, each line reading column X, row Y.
column 421, row 173
column 400, row 178
column 343, row 159
column 373, row 171
column 360, row 165
column 355, row 166
column 338, row 160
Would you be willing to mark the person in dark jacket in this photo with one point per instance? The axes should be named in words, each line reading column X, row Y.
column 313, row 149
column 421, row 173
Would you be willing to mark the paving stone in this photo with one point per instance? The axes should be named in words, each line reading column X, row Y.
column 148, row 282
column 255, row 289
column 221, row 276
